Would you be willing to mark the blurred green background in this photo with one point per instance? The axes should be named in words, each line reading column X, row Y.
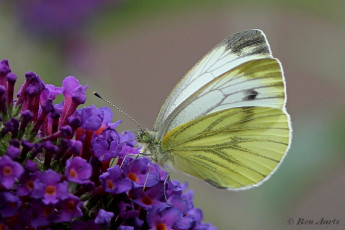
column 134, row 52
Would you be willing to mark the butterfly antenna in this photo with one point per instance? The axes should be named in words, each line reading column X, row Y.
column 118, row 109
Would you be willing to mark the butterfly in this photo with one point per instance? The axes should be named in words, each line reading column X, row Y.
column 225, row 122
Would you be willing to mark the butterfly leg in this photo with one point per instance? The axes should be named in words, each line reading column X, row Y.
column 130, row 155
column 164, row 190
column 147, row 174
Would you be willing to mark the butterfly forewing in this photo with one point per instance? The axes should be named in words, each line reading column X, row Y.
column 233, row 51
column 254, row 83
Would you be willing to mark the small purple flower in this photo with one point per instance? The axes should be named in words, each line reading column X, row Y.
column 27, row 183
column 74, row 94
column 175, row 185
column 26, row 147
column 138, row 172
column 4, row 70
column 127, row 211
column 150, row 196
column 127, row 138
column 78, row 170
column 106, row 145
column 9, row 171
column 71, row 88
column 48, row 188
column 11, row 80
column 13, row 152
column 91, row 117
column 11, row 126
column 184, row 203
column 113, row 182
column 65, row 131
column 68, row 209
column 25, row 220
column 127, row 150
column 47, row 106
column 29, row 94
column 50, row 92
column 50, row 151
column 26, row 117
column 75, row 146
column 30, row 166
column 104, row 217
column 107, row 118
column 9, row 204
column 74, row 121
column 11, row 77
column 3, row 104
column 162, row 216
column 196, row 215
column 41, row 214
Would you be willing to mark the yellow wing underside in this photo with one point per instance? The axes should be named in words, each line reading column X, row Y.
column 232, row 149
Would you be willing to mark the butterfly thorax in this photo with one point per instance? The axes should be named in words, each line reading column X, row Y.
column 151, row 146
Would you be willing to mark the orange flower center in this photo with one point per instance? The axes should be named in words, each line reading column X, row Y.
column 47, row 210
column 2, row 227
column 12, row 204
column 161, row 226
column 133, row 177
column 110, row 184
column 7, row 170
column 146, row 200
column 30, row 184
column 72, row 173
column 71, row 205
column 50, row 190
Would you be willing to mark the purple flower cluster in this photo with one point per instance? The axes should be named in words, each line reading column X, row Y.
column 59, row 18
column 68, row 168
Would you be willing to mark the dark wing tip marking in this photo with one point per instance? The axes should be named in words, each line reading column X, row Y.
column 260, row 50
column 251, row 38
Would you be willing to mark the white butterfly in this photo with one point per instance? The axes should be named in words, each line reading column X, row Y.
column 225, row 122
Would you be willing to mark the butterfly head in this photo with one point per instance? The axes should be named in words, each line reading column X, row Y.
column 151, row 146
column 145, row 136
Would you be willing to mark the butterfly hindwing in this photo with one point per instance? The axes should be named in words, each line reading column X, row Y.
column 235, row 148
